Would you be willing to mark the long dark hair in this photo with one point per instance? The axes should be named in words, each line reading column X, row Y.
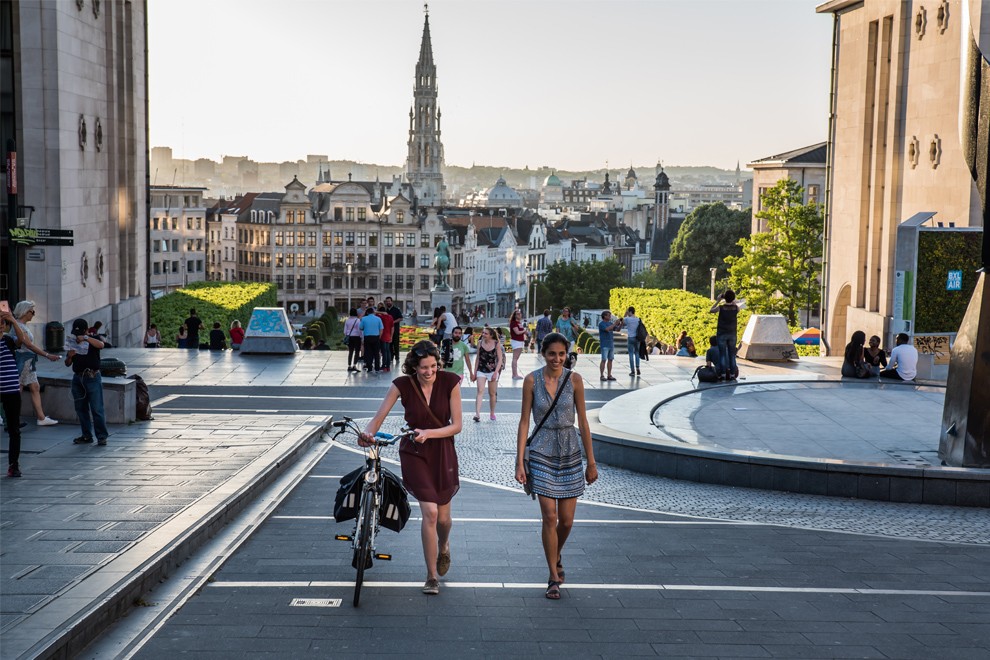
column 420, row 350
column 552, row 338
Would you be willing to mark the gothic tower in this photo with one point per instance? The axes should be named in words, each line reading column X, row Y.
column 661, row 202
column 424, row 161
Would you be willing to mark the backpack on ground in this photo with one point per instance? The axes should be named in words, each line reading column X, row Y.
column 705, row 375
column 143, row 399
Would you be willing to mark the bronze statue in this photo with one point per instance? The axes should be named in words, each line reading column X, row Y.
column 442, row 263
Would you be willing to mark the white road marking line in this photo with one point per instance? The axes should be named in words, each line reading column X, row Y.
column 537, row 520
column 164, row 399
column 316, row 584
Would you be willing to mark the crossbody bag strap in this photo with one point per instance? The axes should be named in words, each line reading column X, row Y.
column 422, row 397
column 560, row 390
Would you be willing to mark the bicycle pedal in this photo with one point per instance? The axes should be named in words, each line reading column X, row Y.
column 341, row 537
column 383, row 557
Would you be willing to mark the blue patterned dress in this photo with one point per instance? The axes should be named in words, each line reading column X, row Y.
column 555, row 453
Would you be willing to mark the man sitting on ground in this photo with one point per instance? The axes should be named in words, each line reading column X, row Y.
column 903, row 360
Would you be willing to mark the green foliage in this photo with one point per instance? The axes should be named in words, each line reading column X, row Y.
column 777, row 272
column 709, row 235
column 651, row 278
column 583, row 285
column 327, row 328
column 221, row 302
column 667, row 312
column 938, row 310
column 588, row 343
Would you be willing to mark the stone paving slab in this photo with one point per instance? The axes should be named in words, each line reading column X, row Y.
column 88, row 526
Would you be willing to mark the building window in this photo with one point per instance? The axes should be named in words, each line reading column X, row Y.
column 400, row 216
column 338, row 213
column 301, row 238
column 175, row 245
column 410, row 240
column 424, row 240
column 411, row 260
column 199, row 223
column 410, row 280
column 338, row 238
column 311, row 281
column 311, row 260
column 327, row 240
column 156, row 246
column 373, row 239
column 279, row 260
column 154, row 223
column 373, row 260
column 372, row 281
column 156, row 268
column 349, row 214
column 388, row 261
column 175, row 223
column 338, row 283
column 326, row 260
column 278, row 282
column 190, row 266
column 290, row 260
column 388, row 282
column 424, row 282
column 361, row 283
column 311, row 238
column 399, row 282
column 327, row 281
column 338, row 258
column 175, row 266
column 814, row 191
column 362, row 213
column 424, row 261
column 362, row 238
column 387, row 239
column 349, row 238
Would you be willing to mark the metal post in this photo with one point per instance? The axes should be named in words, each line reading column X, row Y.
column 684, row 270
column 714, row 270
column 349, row 267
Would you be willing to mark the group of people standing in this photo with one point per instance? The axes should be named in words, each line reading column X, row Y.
column 188, row 335
column 18, row 357
column 431, row 400
column 372, row 335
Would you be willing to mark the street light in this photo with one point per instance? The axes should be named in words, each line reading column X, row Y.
column 714, row 270
column 684, row 278
column 350, row 267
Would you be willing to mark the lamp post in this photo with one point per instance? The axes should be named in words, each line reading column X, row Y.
column 714, row 270
column 684, row 270
column 350, row 267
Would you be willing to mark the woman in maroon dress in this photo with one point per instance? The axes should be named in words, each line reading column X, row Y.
column 432, row 402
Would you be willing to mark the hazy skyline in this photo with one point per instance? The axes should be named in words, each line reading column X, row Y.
column 567, row 84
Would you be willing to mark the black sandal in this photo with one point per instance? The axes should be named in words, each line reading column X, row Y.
column 553, row 590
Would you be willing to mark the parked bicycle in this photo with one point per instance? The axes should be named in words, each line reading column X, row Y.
column 373, row 497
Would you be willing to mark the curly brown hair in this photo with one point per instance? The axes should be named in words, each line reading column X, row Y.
column 420, row 350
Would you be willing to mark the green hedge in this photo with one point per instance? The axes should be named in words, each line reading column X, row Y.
column 668, row 311
column 213, row 302
column 939, row 310
column 588, row 343
column 328, row 328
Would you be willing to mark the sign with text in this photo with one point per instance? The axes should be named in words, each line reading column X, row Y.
column 954, row 281
column 11, row 172
column 28, row 236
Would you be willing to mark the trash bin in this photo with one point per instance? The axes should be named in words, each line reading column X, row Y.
column 54, row 337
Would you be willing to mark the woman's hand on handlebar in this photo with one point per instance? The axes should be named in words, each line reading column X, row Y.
column 365, row 439
column 422, row 435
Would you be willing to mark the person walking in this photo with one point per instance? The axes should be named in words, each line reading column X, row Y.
column 26, row 357
column 728, row 313
column 371, row 330
column 544, row 326
column 152, row 338
column 236, row 335
column 193, row 326
column 517, row 340
column 83, row 355
column 12, row 334
column 352, row 335
column 487, row 365
column 631, row 323
column 431, row 402
column 567, row 326
column 396, row 314
column 182, row 337
column 459, row 355
column 555, row 450
column 606, row 339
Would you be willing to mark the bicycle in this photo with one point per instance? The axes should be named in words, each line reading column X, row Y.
column 367, row 522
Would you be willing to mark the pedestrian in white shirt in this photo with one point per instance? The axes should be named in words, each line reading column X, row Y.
column 903, row 360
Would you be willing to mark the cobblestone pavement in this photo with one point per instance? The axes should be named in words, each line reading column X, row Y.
column 486, row 452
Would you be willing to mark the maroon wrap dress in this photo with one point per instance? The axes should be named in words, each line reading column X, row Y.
column 429, row 470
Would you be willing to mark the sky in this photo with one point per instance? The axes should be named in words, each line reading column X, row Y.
column 569, row 84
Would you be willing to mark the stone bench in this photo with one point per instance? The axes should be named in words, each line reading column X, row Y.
column 119, row 399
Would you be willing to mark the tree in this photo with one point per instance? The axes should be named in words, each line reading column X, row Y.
column 651, row 278
column 709, row 234
column 777, row 272
column 584, row 285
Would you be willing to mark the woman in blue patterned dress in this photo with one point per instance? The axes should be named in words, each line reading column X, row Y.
column 555, row 453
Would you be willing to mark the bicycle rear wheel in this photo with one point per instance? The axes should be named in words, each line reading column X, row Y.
column 362, row 553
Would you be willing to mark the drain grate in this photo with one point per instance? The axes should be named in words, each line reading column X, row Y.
column 315, row 602
column 914, row 458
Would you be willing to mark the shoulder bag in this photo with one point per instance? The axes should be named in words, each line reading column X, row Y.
column 528, row 486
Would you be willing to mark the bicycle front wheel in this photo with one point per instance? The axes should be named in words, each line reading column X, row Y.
column 362, row 551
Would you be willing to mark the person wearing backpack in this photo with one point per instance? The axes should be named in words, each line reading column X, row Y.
column 634, row 328
column 728, row 313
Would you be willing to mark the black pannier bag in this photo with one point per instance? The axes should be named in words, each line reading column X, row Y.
column 395, row 509
column 705, row 374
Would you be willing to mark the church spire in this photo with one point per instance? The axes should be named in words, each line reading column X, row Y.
column 426, row 47
column 424, row 160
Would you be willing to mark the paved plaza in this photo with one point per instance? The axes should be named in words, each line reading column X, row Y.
column 656, row 566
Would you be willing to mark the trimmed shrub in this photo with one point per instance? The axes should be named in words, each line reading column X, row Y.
column 220, row 302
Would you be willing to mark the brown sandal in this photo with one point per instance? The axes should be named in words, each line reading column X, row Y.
column 560, row 571
column 553, row 590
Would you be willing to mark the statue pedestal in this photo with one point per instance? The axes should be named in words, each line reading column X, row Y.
column 442, row 298
column 965, row 437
